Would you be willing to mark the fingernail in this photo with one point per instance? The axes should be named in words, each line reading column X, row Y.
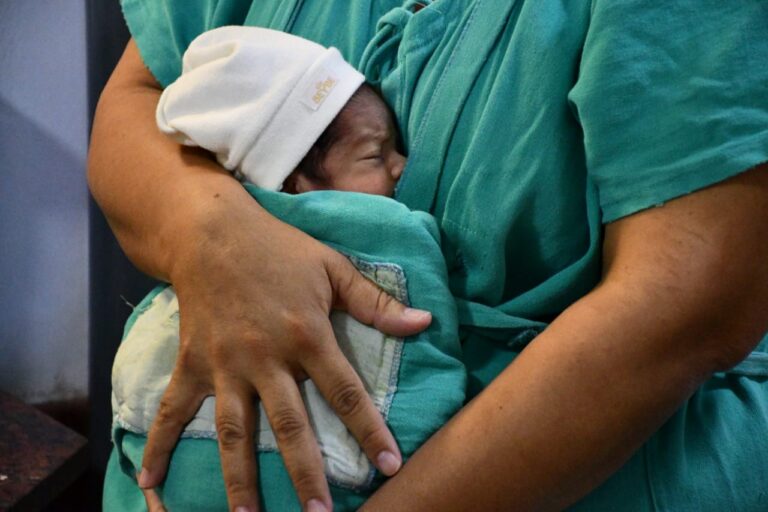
column 416, row 315
column 244, row 509
column 144, row 481
column 388, row 463
column 316, row 506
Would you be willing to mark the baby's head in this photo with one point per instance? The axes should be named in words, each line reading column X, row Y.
column 358, row 152
column 283, row 113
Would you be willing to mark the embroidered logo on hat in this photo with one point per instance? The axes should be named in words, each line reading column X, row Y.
column 323, row 89
column 319, row 88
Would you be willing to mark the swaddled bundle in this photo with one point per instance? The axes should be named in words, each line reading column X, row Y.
column 248, row 95
column 417, row 383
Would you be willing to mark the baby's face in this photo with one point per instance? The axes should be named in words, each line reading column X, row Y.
column 365, row 156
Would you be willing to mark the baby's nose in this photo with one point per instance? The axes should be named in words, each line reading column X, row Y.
column 398, row 166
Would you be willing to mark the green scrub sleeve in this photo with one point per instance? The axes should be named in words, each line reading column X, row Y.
column 163, row 29
column 672, row 97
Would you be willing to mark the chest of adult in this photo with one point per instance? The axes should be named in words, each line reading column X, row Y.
column 480, row 88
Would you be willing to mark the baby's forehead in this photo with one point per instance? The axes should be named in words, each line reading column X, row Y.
column 365, row 115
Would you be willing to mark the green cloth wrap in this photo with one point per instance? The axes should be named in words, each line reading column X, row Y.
column 431, row 379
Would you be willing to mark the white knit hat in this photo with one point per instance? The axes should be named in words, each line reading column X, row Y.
column 257, row 98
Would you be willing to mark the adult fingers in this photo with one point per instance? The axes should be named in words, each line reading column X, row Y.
column 288, row 417
column 371, row 305
column 235, row 425
column 341, row 386
column 178, row 405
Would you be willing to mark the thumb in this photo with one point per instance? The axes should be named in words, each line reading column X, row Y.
column 369, row 304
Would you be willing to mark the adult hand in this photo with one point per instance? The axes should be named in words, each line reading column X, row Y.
column 254, row 297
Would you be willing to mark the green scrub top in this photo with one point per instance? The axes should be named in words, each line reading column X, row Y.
column 529, row 124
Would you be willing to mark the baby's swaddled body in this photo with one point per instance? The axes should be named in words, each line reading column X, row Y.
column 417, row 383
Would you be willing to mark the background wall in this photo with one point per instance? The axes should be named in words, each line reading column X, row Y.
column 43, row 200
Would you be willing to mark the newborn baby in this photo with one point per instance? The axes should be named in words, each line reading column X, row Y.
column 283, row 113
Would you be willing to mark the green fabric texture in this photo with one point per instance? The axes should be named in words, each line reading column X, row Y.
column 531, row 124
column 164, row 29
column 431, row 380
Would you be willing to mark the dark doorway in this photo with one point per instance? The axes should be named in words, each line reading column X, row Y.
column 114, row 281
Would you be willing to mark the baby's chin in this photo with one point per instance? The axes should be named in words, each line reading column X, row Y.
column 383, row 191
column 375, row 190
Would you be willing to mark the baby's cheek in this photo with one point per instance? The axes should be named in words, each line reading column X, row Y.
column 365, row 176
column 381, row 184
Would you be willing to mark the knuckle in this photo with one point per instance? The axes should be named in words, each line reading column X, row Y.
column 167, row 414
column 222, row 353
column 335, row 262
column 302, row 331
column 383, row 300
column 296, row 325
column 185, row 360
column 236, row 487
column 373, row 439
column 288, row 425
column 231, row 432
column 306, row 480
column 347, row 399
column 191, row 369
column 253, row 343
column 343, row 274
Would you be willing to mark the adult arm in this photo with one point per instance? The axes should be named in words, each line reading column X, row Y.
column 684, row 294
column 254, row 296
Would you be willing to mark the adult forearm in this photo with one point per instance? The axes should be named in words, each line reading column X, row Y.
column 564, row 416
column 684, row 295
column 156, row 194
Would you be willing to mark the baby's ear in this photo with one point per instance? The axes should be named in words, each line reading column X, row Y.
column 303, row 184
column 289, row 185
column 297, row 183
